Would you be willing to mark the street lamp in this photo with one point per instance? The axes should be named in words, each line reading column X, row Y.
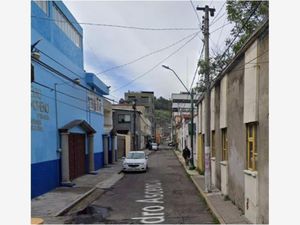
column 134, row 125
column 191, row 93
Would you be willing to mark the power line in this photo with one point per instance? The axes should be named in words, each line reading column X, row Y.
column 158, row 64
column 118, row 26
column 45, row 54
column 220, row 27
column 218, row 19
column 149, row 54
column 54, row 71
column 242, row 67
column 239, row 31
column 220, row 35
column 212, row 22
column 52, row 89
column 199, row 21
column 197, row 67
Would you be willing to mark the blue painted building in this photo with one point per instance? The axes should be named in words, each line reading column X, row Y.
column 67, row 121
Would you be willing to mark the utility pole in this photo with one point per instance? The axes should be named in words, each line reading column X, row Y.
column 134, row 125
column 207, row 10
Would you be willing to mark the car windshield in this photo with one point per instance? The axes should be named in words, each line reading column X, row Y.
column 135, row 155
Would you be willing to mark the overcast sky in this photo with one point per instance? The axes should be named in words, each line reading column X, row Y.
column 106, row 47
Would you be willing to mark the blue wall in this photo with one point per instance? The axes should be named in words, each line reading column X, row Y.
column 72, row 105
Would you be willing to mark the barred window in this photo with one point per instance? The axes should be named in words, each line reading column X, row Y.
column 64, row 24
column 251, row 146
column 224, row 145
column 43, row 5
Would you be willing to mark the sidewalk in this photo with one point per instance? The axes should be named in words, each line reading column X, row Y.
column 225, row 211
column 55, row 207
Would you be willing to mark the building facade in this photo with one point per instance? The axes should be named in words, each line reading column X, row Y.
column 67, row 120
column 123, row 122
column 239, row 121
column 146, row 99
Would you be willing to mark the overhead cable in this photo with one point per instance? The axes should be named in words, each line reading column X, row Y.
column 118, row 26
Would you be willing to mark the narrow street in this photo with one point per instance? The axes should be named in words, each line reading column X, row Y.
column 164, row 194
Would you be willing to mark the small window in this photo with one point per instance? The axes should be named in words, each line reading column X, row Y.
column 224, row 145
column 43, row 5
column 213, row 144
column 122, row 118
column 251, row 146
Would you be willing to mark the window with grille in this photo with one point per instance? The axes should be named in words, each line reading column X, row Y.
column 64, row 24
column 251, row 146
column 213, row 144
column 224, row 145
column 43, row 5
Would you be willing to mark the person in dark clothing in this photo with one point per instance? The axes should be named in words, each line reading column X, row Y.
column 186, row 155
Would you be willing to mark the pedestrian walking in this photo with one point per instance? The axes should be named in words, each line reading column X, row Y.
column 186, row 153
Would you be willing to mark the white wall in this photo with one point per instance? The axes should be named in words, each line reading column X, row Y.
column 251, row 85
column 223, row 102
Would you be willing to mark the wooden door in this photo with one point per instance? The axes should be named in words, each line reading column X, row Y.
column 76, row 155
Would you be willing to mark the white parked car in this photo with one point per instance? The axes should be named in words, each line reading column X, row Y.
column 154, row 146
column 135, row 161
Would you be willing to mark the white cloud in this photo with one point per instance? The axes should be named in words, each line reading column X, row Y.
column 118, row 46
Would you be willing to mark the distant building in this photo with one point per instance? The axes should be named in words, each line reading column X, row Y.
column 67, row 118
column 123, row 122
column 181, row 114
column 144, row 98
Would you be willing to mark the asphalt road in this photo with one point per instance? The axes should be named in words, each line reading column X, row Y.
column 164, row 194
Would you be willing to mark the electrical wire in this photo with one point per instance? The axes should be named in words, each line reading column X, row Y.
column 217, row 19
column 149, row 54
column 158, row 64
column 213, row 21
column 117, row 26
column 219, row 27
column 194, row 9
column 197, row 67
column 239, row 31
column 54, row 71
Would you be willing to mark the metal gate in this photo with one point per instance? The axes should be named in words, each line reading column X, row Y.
column 76, row 155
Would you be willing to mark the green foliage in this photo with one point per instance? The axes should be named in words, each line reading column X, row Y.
column 238, row 12
column 162, row 103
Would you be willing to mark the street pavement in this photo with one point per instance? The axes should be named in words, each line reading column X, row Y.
column 163, row 194
column 168, row 193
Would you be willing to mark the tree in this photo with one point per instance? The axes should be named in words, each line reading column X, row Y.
column 238, row 13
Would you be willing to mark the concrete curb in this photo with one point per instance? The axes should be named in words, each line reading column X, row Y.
column 212, row 208
column 72, row 204
column 101, row 185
